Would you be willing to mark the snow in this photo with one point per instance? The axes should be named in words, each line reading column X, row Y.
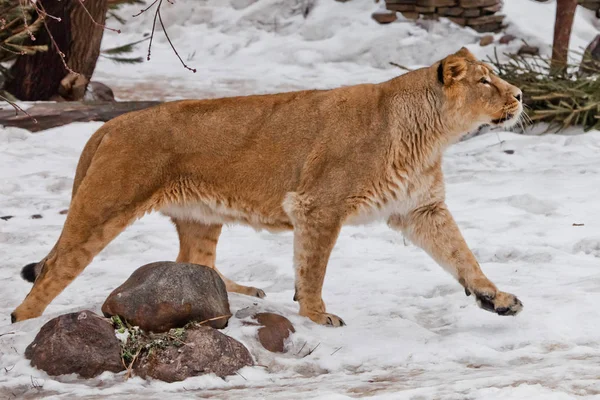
column 412, row 333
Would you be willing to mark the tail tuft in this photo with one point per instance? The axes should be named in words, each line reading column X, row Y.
column 28, row 272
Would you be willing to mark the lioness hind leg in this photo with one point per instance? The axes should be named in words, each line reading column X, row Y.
column 198, row 245
column 89, row 227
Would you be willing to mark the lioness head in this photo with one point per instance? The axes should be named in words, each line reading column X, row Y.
column 474, row 95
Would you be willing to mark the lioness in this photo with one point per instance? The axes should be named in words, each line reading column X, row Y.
column 310, row 161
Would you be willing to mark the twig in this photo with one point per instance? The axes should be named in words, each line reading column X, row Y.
column 336, row 350
column 400, row 66
column 213, row 319
column 159, row 16
column 311, row 351
column 94, row 21
column 171, row 43
column 31, row 36
column 35, row 384
column 8, row 370
column 241, row 375
column 17, row 109
column 301, row 348
column 60, row 53
column 130, row 367
column 7, row 333
column 145, row 9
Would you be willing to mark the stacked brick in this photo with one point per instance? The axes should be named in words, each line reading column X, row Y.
column 480, row 15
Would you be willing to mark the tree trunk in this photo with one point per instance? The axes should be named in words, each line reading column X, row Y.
column 43, row 76
column 565, row 13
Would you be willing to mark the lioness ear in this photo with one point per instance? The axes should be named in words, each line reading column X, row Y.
column 453, row 69
column 464, row 52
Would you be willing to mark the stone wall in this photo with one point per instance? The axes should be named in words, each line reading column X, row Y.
column 480, row 15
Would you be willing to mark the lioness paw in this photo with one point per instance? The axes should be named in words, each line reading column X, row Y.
column 501, row 303
column 325, row 319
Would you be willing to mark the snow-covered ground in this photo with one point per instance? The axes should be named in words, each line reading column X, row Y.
column 269, row 45
column 412, row 333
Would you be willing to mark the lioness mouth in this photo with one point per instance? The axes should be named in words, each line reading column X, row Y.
column 503, row 119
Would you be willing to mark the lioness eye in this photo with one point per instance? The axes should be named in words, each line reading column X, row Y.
column 484, row 80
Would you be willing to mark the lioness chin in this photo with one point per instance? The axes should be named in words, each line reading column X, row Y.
column 310, row 161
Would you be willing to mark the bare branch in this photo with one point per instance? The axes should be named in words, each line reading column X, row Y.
column 169, row 40
column 157, row 14
column 94, row 21
column 17, row 109
column 145, row 9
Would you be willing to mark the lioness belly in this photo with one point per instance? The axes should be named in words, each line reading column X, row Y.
column 216, row 214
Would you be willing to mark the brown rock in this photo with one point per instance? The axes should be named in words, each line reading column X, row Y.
column 506, row 39
column 63, row 212
column 165, row 295
column 488, row 23
column 477, row 3
column 450, row 11
column 486, row 40
column 80, row 343
column 384, row 17
column 471, row 12
column 437, row 3
column 459, row 21
column 275, row 330
column 529, row 50
column 487, row 19
column 431, row 16
column 492, row 9
column 401, row 7
column 401, row 1
column 410, row 15
column 37, row 216
column 421, row 9
column 205, row 351
column 489, row 27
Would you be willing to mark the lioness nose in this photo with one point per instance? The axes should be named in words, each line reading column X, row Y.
column 518, row 95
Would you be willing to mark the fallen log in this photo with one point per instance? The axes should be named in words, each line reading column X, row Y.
column 51, row 115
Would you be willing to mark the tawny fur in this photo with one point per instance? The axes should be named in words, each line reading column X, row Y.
column 310, row 161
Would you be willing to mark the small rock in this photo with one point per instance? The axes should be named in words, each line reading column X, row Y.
column 486, row 40
column 274, row 331
column 590, row 63
column 165, row 295
column 529, row 50
column 506, row 39
column 7, row 217
column 206, row 351
column 36, row 216
column 98, row 91
column 384, row 17
column 509, row 151
column 410, row 15
column 64, row 212
column 82, row 343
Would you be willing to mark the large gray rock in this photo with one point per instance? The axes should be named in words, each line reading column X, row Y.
column 165, row 295
column 82, row 343
column 201, row 350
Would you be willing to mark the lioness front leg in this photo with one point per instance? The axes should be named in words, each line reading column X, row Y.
column 432, row 228
column 315, row 234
